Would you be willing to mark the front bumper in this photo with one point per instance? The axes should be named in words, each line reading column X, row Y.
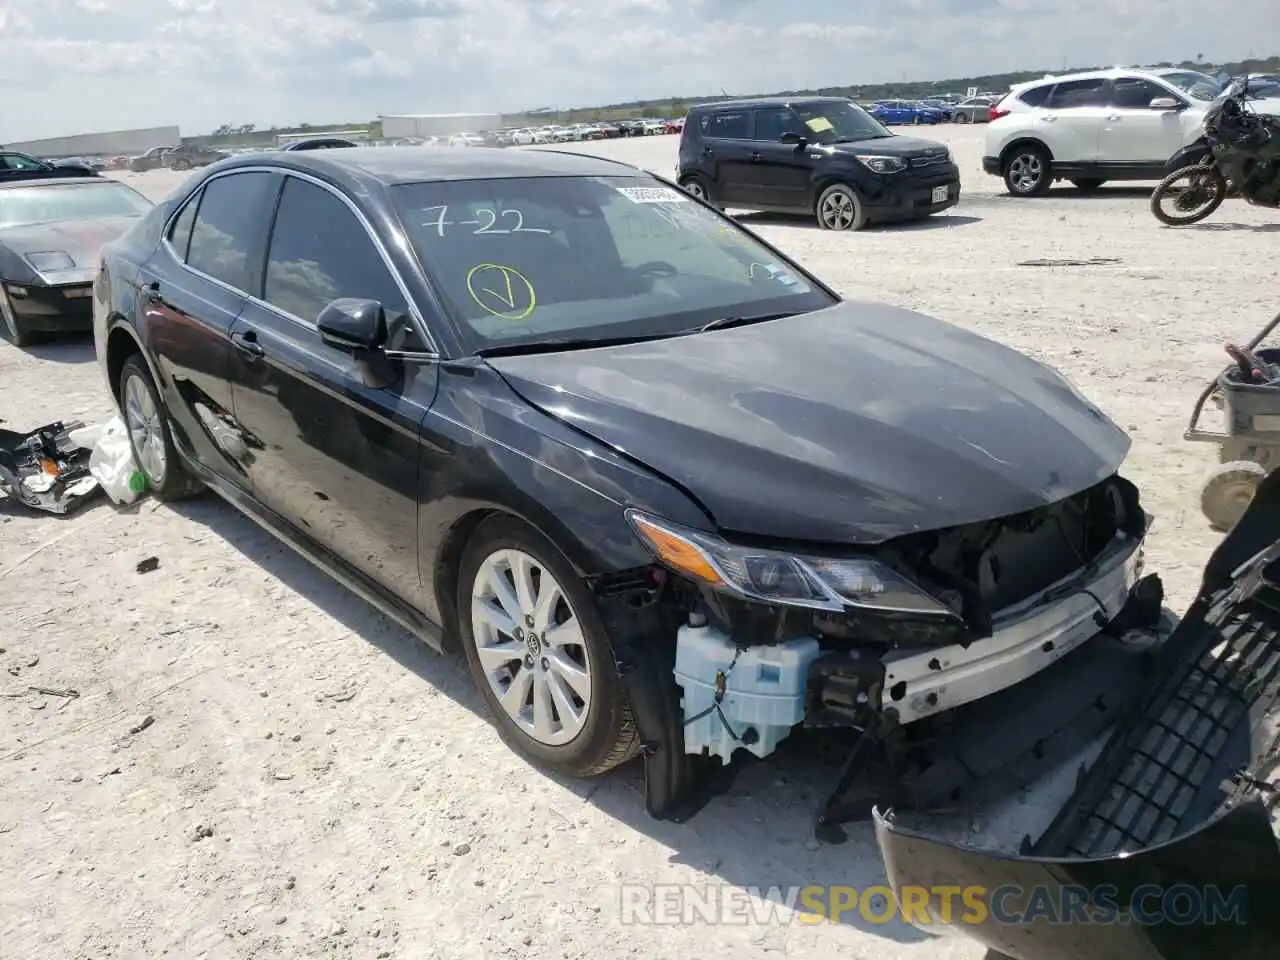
column 1166, row 848
column 890, row 199
column 61, row 308
column 1027, row 639
column 991, row 165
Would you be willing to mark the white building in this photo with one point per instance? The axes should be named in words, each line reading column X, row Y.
column 396, row 125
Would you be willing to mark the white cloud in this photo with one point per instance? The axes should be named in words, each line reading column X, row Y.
column 82, row 65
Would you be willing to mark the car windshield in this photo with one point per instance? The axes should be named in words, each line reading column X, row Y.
column 839, row 121
column 523, row 260
column 69, row 201
column 1198, row 86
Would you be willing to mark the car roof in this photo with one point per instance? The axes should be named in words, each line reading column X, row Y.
column 764, row 102
column 390, row 165
column 1108, row 74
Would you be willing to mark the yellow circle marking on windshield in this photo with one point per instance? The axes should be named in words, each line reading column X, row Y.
column 501, row 290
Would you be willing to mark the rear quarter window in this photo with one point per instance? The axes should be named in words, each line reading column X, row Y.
column 1036, row 96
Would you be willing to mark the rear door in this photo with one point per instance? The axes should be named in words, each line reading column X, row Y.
column 778, row 175
column 1133, row 132
column 193, row 289
column 727, row 146
column 335, row 457
column 1070, row 122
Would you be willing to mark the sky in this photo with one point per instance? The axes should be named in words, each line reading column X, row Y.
column 81, row 66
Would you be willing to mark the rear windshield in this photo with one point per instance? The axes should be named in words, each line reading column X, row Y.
column 69, row 201
column 522, row 260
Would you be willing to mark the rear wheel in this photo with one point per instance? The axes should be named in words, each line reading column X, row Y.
column 1028, row 172
column 538, row 654
column 960, row 117
column 182, row 163
column 1228, row 491
column 146, row 421
column 1087, row 185
column 1188, row 195
column 840, row 208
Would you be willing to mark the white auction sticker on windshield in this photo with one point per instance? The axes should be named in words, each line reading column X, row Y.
column 652, row 195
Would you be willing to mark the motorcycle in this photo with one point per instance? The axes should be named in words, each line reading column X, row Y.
column 1236, row 155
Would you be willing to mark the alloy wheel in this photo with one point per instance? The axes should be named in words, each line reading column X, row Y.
column 531, row 648
column 1025, row 172
column 838, row 210
column 145, row 430
column 695, row 190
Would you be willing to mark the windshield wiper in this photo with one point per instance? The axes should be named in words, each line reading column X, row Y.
column 722, row 323
column 556, row 344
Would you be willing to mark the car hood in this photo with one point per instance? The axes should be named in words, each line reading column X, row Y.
column 79, row 239
column 894, row 146
column 852, row 424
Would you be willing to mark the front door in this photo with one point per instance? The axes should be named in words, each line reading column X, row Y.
column 1133, row 132
column 778, row 176
column 193, row 289
column 337, row 457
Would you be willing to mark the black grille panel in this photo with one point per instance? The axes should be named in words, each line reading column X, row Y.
column 1186, row 748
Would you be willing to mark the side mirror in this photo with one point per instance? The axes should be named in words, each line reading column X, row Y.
column 350, row 323
column 1163, row 103
column 793, row 139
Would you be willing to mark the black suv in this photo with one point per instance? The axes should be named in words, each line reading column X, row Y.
column 822, row 156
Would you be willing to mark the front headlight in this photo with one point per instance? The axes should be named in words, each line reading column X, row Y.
column 882, row 164
column 51, row 260
column 769, row 576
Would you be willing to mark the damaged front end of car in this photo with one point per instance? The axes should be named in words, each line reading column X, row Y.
column 904, row 644
column 1166, row 847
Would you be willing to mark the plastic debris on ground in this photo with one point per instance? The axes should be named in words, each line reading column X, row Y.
column 46, row 469
column 111, row 463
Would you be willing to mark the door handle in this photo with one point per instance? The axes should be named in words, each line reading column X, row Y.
column 1115, row 116
column 708, row 152
column 247, row 342
column 755, row 158
column 152, row 292
column 1048, row 118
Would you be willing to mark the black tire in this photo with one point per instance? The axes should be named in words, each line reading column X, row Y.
column 609, row 735
column 1210, row 178
column 171, row 481
column 1028, row 171
column 14, row 329
column 181, row 164
column 960, row 117
column 1087, row 185
column 828, row 219
column 1228, row 491
column 699, row 187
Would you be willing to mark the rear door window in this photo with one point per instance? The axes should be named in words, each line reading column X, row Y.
column 229, row 227
column 1078, row 93
column 180, row 233
column 731, row 126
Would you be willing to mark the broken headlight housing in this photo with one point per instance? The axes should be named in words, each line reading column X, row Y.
column 786, row 579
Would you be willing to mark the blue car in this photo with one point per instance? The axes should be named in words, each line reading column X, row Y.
column 890, row 112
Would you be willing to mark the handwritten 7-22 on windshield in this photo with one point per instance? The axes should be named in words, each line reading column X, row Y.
column 486, row 221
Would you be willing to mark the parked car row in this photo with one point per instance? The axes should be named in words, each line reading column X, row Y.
column 968, row 110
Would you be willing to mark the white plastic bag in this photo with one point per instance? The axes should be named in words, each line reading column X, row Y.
column 111, row 462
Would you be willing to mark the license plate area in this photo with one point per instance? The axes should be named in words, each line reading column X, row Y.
column 939, row 194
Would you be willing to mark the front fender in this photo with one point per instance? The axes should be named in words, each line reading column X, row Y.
column 1196, row 152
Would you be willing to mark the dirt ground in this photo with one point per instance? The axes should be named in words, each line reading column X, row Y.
column 257, row 764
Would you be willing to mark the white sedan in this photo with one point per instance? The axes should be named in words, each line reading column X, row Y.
column 466, row 140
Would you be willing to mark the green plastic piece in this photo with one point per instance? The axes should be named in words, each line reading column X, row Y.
column 137, row 482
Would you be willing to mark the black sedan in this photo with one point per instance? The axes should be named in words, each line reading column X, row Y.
column 51, row 229
column 631, row 460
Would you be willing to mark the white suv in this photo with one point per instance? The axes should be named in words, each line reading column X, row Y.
column 1119, row 124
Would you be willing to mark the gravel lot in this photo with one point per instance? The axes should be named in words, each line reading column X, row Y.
column 316, row 784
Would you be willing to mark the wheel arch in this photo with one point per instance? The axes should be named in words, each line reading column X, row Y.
column 1013, row 145
column 122, row 343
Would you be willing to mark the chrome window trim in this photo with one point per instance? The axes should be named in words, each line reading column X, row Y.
column 415, row 316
